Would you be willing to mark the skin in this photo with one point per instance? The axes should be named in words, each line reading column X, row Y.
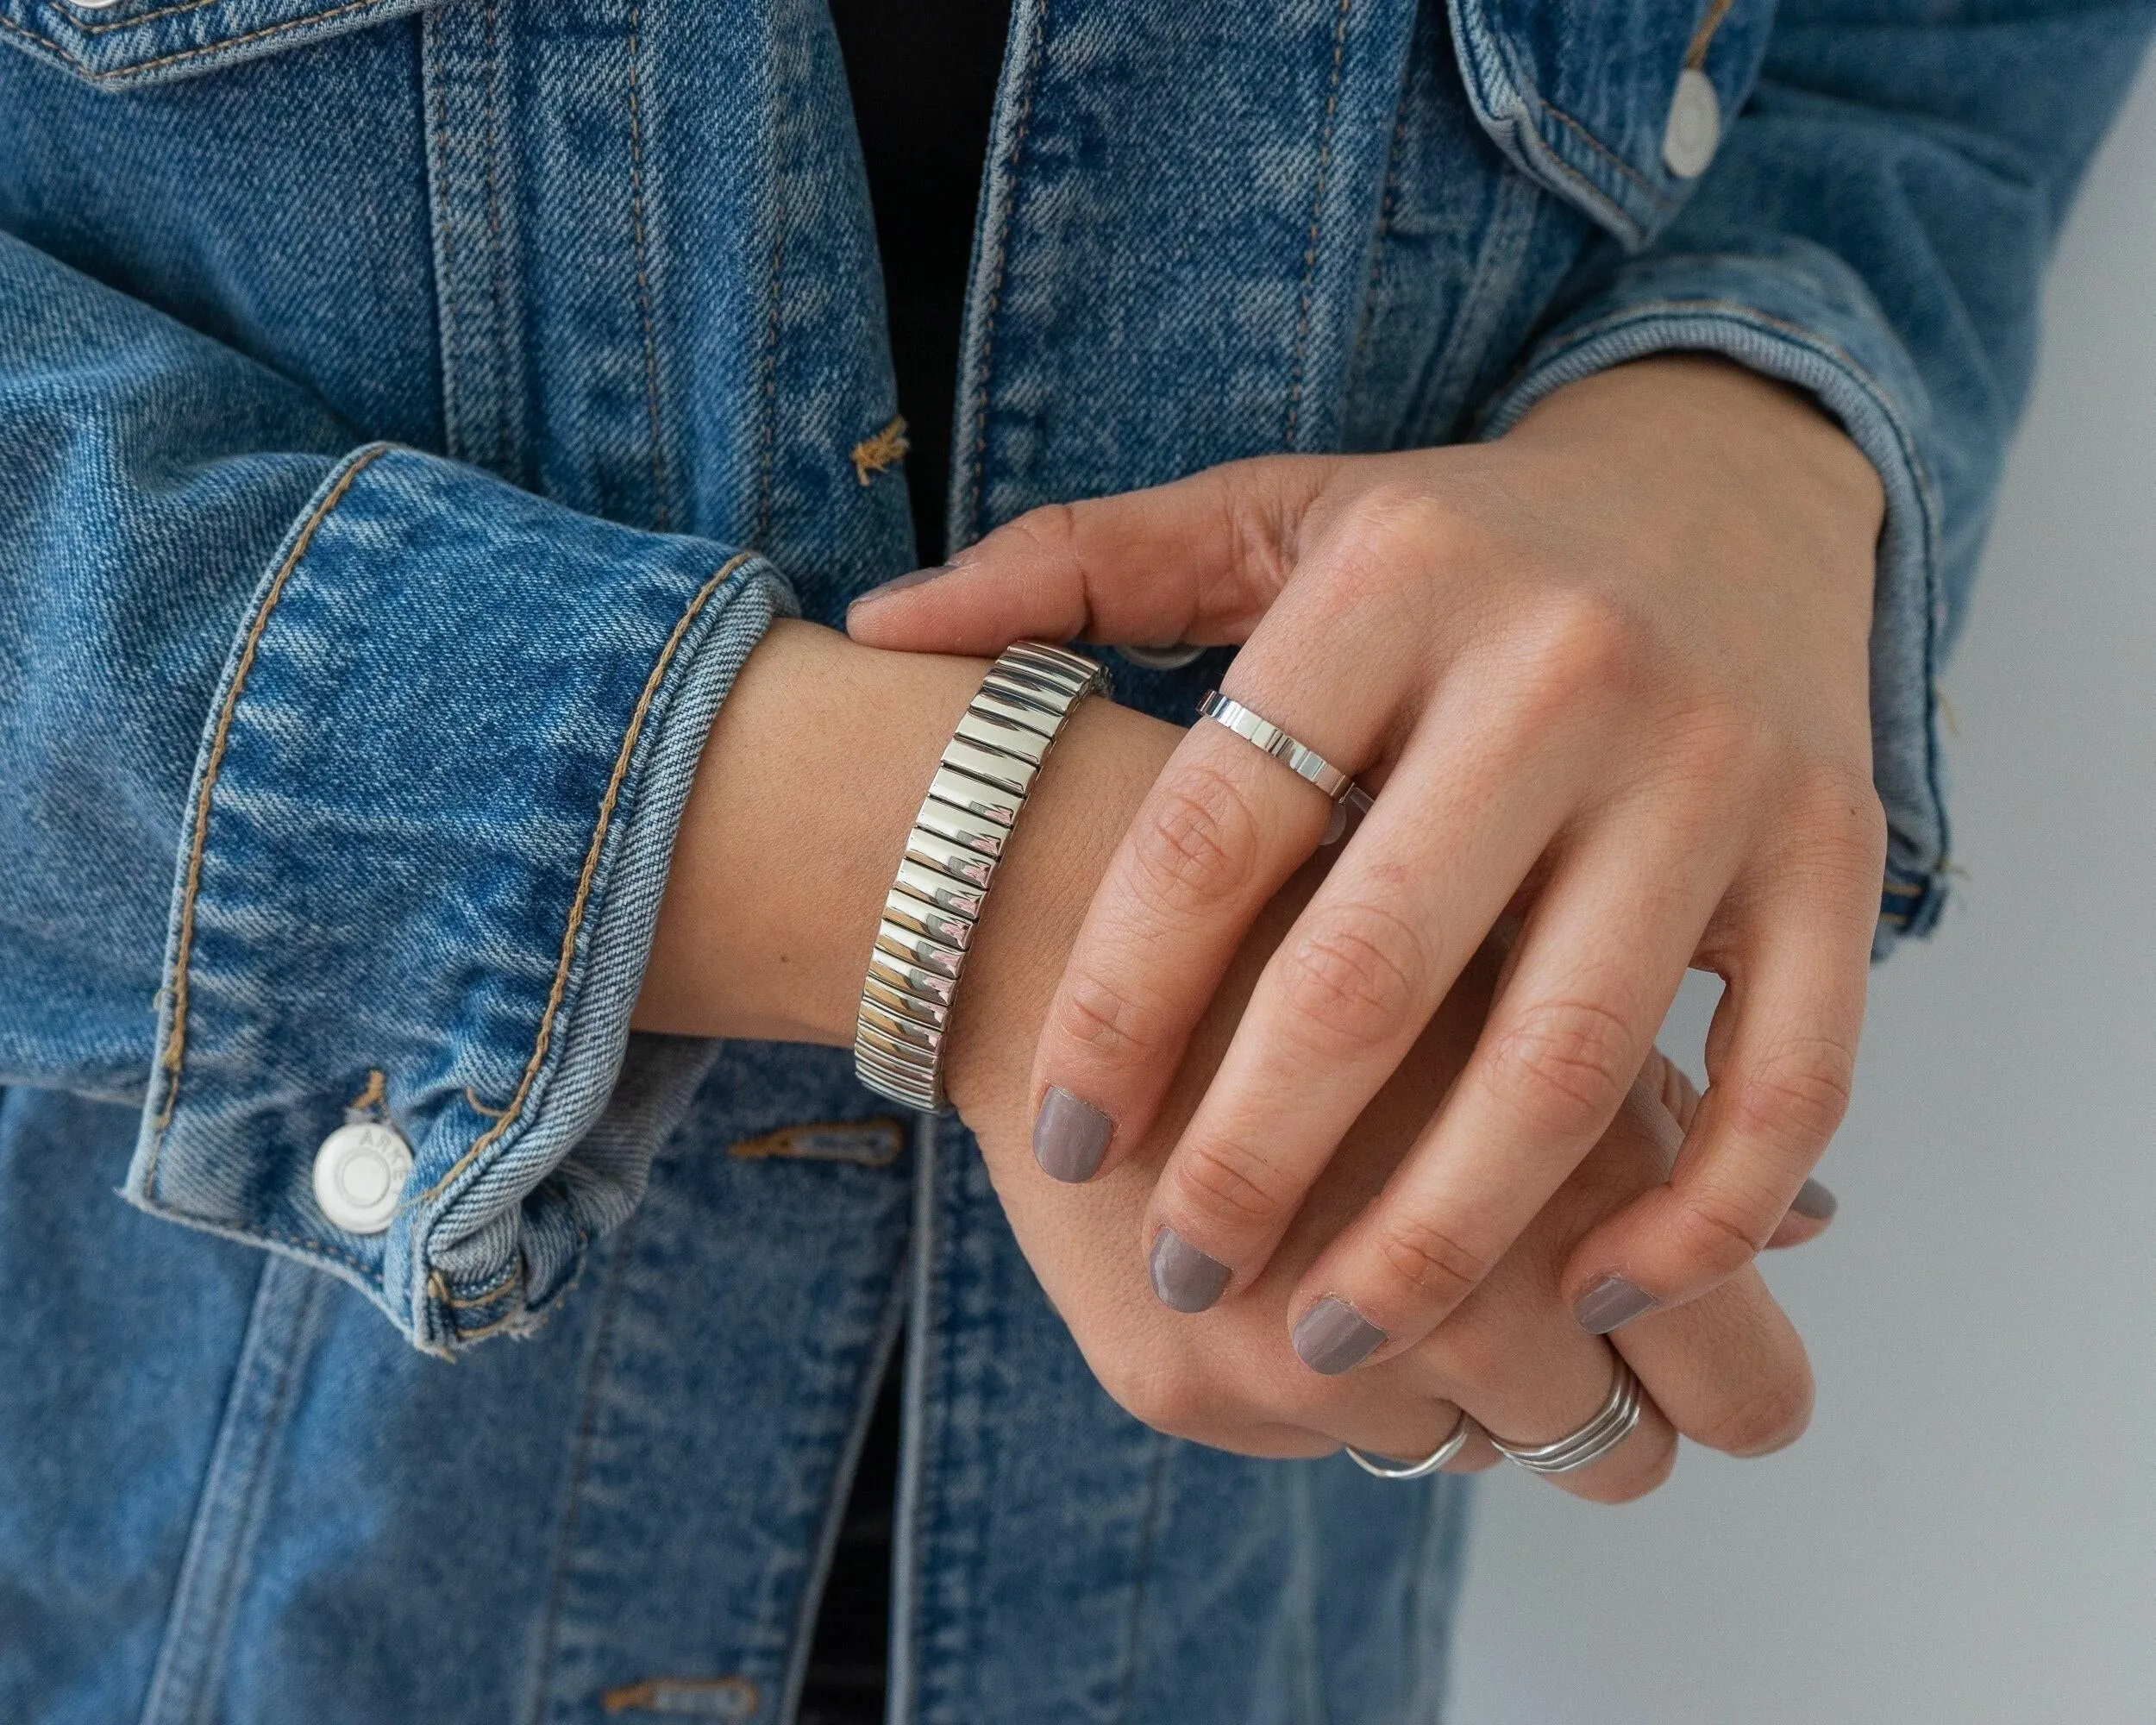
column 1608, row 677
column 1728, row 1371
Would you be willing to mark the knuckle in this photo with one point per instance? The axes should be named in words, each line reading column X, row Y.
column 1389, row 528
column 1838, row 825
column 1156, row 1395
column 1432, row 1267
column 1197, row 843
column 1352, row 980
column 1229, row 1184
column 1105, row 1022
column 1050, row 529
column 1564, row 1065
column 1717, row 1238
column 1583, row 641
column 1770, row 1418
column 1798, row 1093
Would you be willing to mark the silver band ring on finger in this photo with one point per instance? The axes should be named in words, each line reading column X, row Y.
column 1417, row 1470
column 1298, row 757
column 1610, row 1427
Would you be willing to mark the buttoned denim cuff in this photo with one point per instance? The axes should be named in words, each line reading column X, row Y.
column 426, row 842
column 1802, row 316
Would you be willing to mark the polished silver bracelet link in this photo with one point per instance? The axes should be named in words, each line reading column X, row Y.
column 986, row 774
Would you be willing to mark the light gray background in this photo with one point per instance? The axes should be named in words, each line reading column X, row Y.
column 1968, row 1534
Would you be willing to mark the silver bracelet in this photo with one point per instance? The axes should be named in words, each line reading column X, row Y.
column 981, row 784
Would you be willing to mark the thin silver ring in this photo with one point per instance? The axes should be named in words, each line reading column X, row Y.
column 1612, row 1424
column 1429, row 1464
column 1299, row 758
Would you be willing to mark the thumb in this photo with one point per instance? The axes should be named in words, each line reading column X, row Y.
column 1198, row 560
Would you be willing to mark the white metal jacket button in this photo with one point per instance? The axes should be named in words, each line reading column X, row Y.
column 1694, row 130
column 360, row 1174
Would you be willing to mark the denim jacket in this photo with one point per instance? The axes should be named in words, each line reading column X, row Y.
column 410, row 416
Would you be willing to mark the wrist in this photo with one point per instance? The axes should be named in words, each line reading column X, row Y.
column 797, row 821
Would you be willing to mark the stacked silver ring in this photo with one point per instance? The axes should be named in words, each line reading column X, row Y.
column 982, row 783
column 1597, row 1439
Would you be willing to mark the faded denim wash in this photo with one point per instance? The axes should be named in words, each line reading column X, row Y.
column 410, row 416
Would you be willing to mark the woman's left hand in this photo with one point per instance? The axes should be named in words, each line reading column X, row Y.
column 1608, row 673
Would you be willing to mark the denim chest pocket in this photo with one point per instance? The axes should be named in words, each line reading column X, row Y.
column 125, row 43
column 1619, row 109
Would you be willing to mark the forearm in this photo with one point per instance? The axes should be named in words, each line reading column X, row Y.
column 794, row 832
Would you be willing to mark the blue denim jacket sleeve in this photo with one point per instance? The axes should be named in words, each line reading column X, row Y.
column 1874, row 229
column 383, row 756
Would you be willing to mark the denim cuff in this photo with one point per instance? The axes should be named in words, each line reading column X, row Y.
column 1798, row 314
column 425, row 845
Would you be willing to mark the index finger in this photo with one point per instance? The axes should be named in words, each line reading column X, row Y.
column 1218, row 835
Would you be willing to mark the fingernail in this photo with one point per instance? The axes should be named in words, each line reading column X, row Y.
column 1186, row 1279
column 1610, row 1304
column 1333, row 1336
column 1069, row 1136
column 1814, row 1202
column 912, row 578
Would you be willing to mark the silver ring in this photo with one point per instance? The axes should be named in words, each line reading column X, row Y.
column 1610, row 1427
column 1429, row 1464
column 1298, row 758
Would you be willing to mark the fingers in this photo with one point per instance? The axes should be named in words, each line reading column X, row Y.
column 1589, row 980
column 1217, row 836
column 1728, row 1369
column 1337, row 1006
column 1215, row 839
column 1198, row 560
column 1781, row 1065
column 1810, row 1212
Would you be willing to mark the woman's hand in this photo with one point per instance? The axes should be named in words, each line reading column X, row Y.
column 765, row 931
column 1610, row 672
column 1726, row 1370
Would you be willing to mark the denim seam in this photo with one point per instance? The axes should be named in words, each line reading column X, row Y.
column 1317, row 222
column 1378, row 240
column 767, row 469
column 172, row 1058
column 1696, row 51
column 1156, row 1483
column 439, row 200
column 587, row 1421
column 1616, row 161
column 496, row 283
column 581, row 902
column 484, row 1296
column 999, row 259
column 226, row 1509
column 644, row 264
column 889, row 1327
column 135, row 69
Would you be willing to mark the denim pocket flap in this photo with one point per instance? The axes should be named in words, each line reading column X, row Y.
column 118, row 43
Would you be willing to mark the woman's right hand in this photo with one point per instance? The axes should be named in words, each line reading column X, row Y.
column 1727, row 1370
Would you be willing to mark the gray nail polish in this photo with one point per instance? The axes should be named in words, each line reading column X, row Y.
column 1332, row 1336
column 1186, row 1279
column 1069, row 1136
column 912, row 578
column 1814, row 1202
column 1610, row 1304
